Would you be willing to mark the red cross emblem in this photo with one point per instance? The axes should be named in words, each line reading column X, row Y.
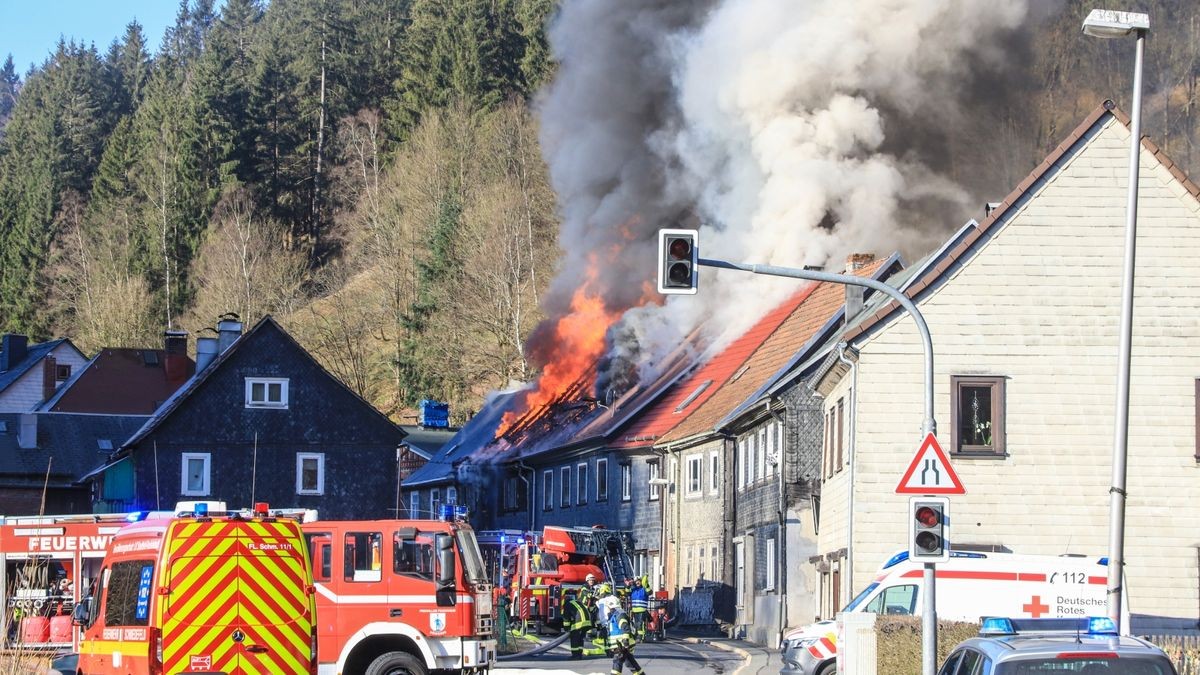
column 1035, row 607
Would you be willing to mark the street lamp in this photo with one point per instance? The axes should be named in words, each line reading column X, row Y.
column 1104, row 23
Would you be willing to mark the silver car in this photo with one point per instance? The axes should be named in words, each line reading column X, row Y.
column 1054, row 646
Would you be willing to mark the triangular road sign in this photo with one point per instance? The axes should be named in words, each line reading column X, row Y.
column 930, row 472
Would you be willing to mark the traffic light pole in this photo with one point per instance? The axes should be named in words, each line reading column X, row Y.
column 929, row 426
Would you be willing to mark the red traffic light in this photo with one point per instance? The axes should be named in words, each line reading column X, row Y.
column 926, row 516
column 680, row 248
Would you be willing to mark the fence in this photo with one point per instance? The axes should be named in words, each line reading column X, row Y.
column 1183, row 650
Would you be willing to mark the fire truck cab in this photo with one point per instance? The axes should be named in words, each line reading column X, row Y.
column 207, row 591
column 400, row 596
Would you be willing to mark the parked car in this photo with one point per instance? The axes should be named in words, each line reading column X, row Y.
column 1059, row 646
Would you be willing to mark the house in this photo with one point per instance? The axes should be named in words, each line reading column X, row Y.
column 1024, row 311
column 780, row 435
column 259, row 421
column 43, row 455
column 125, row 381
column 30, row 374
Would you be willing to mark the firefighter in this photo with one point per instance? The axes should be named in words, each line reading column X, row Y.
column 639, row 602
column 591, row 588
column 619, row 639
column 577, row 619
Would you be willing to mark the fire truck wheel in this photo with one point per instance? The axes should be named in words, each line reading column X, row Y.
column 829, row 669
column 396, row 663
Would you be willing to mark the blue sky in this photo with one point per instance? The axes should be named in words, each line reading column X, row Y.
column 29, row 29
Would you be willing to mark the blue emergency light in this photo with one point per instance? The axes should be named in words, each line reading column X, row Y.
column 460, row 512
column 445, row 511
column 201, row 510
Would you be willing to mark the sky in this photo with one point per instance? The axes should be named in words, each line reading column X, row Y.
column 29, row 29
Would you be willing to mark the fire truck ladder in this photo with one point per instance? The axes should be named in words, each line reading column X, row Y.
column 617, row 565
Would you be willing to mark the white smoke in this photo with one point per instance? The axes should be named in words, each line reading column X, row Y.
column 763, row 120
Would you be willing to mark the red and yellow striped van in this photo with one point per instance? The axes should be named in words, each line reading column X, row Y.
column 216, row 593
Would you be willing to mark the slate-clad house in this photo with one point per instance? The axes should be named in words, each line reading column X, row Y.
column 30, row 374
column 260, row 421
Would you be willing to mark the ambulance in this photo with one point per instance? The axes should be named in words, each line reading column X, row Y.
column 205, row 592
column 970, row 586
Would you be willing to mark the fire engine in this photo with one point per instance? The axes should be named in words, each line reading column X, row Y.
column 401, row 596
column 46, row 564
column 536, row 568
column 206, row 591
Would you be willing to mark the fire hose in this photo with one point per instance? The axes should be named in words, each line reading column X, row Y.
column 538, row 650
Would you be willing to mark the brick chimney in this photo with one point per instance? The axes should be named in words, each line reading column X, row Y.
column 49, row 376
column 857, row 261
column 175, row 361
column 854, row 294
column 13, row 349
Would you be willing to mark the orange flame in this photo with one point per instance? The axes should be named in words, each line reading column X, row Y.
column 578, row 342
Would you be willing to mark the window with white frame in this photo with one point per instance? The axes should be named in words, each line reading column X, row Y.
column 602, row 480
column 772, row 452
column 547, row 489
column 626, row 482
column 310, row 473
column 435, row 502
column 414, row 504
column 653, row 471
column 564, row 479
column 714, row 471
column 752, row 459
column 741, row 463
column 451, row 495
column 701, row 568
column 713, row 562
column 770, row 556
column 196, row 474
column 762, row 453
column 581, row 490
column 695, row 474
column 266, row 392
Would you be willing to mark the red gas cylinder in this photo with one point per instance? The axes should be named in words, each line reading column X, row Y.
column 35, row 629
column 60, row 628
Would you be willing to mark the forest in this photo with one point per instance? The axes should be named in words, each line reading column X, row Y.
column 370, row 173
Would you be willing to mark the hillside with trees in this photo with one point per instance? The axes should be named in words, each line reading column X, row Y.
column 369, row 172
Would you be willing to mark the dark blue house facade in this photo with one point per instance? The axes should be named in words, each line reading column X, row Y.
column 260, row 421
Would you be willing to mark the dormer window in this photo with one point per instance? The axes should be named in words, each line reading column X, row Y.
column 266, row 392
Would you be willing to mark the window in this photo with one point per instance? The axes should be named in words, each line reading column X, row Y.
column 840, row 424
column 602, row 480
column 435, row 502
column 714, row 471
column 511, row 496
column 412, row 554
column 894, row 600
column 626, row 482
column 547, row 489
column 62, row 372
column 266, row 392
column 196, row 474
column 581, row 490
column 828, row 449
column 977, row 408
column 452, row 495
column 414, row 504
column 741, row 463
column 770, row 564
column 362, row 554
column 712, row 560
column 310, row 473
column 653, row 469
column 701, row 567
column 321, row 551
column 564, row 479
column 127, row 589
column 772, row 454
column 752, row 464
column 762, row 454
column 695, row 464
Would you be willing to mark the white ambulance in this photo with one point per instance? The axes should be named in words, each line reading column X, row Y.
column 969, row 586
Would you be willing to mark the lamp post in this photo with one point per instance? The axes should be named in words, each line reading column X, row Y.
column 1113, row 24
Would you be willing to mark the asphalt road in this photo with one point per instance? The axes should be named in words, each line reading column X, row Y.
column 673, row 657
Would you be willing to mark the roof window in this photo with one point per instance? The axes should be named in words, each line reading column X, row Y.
column 692, row 396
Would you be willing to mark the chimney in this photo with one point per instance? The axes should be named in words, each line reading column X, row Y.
column 857, row 261
column 228, row 331
column 27, row 435
column 13, row 349
column 49, row 377
column 854, row 301
column 175, row 361
column 989, row 207
column 206, row 351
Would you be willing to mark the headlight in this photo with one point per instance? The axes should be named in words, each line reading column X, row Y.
column 798, row 643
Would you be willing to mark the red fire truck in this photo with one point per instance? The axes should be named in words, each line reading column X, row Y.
column 47, row 563
column 400, row 596
column 537, row 567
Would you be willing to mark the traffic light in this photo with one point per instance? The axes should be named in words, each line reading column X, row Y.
column 929, row 529
column 677, row 256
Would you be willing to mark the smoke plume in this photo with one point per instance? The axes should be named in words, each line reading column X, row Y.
column 777, row 127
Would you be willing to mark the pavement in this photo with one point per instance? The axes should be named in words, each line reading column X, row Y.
column 756, row 660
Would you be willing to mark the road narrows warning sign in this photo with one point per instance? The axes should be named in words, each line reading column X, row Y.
column 930, row 472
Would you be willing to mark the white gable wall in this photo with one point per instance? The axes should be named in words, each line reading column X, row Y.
column 1040, row 304
column 26, row 393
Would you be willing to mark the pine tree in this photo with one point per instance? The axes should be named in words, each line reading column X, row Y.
column 128, row 69
column 9, row 83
